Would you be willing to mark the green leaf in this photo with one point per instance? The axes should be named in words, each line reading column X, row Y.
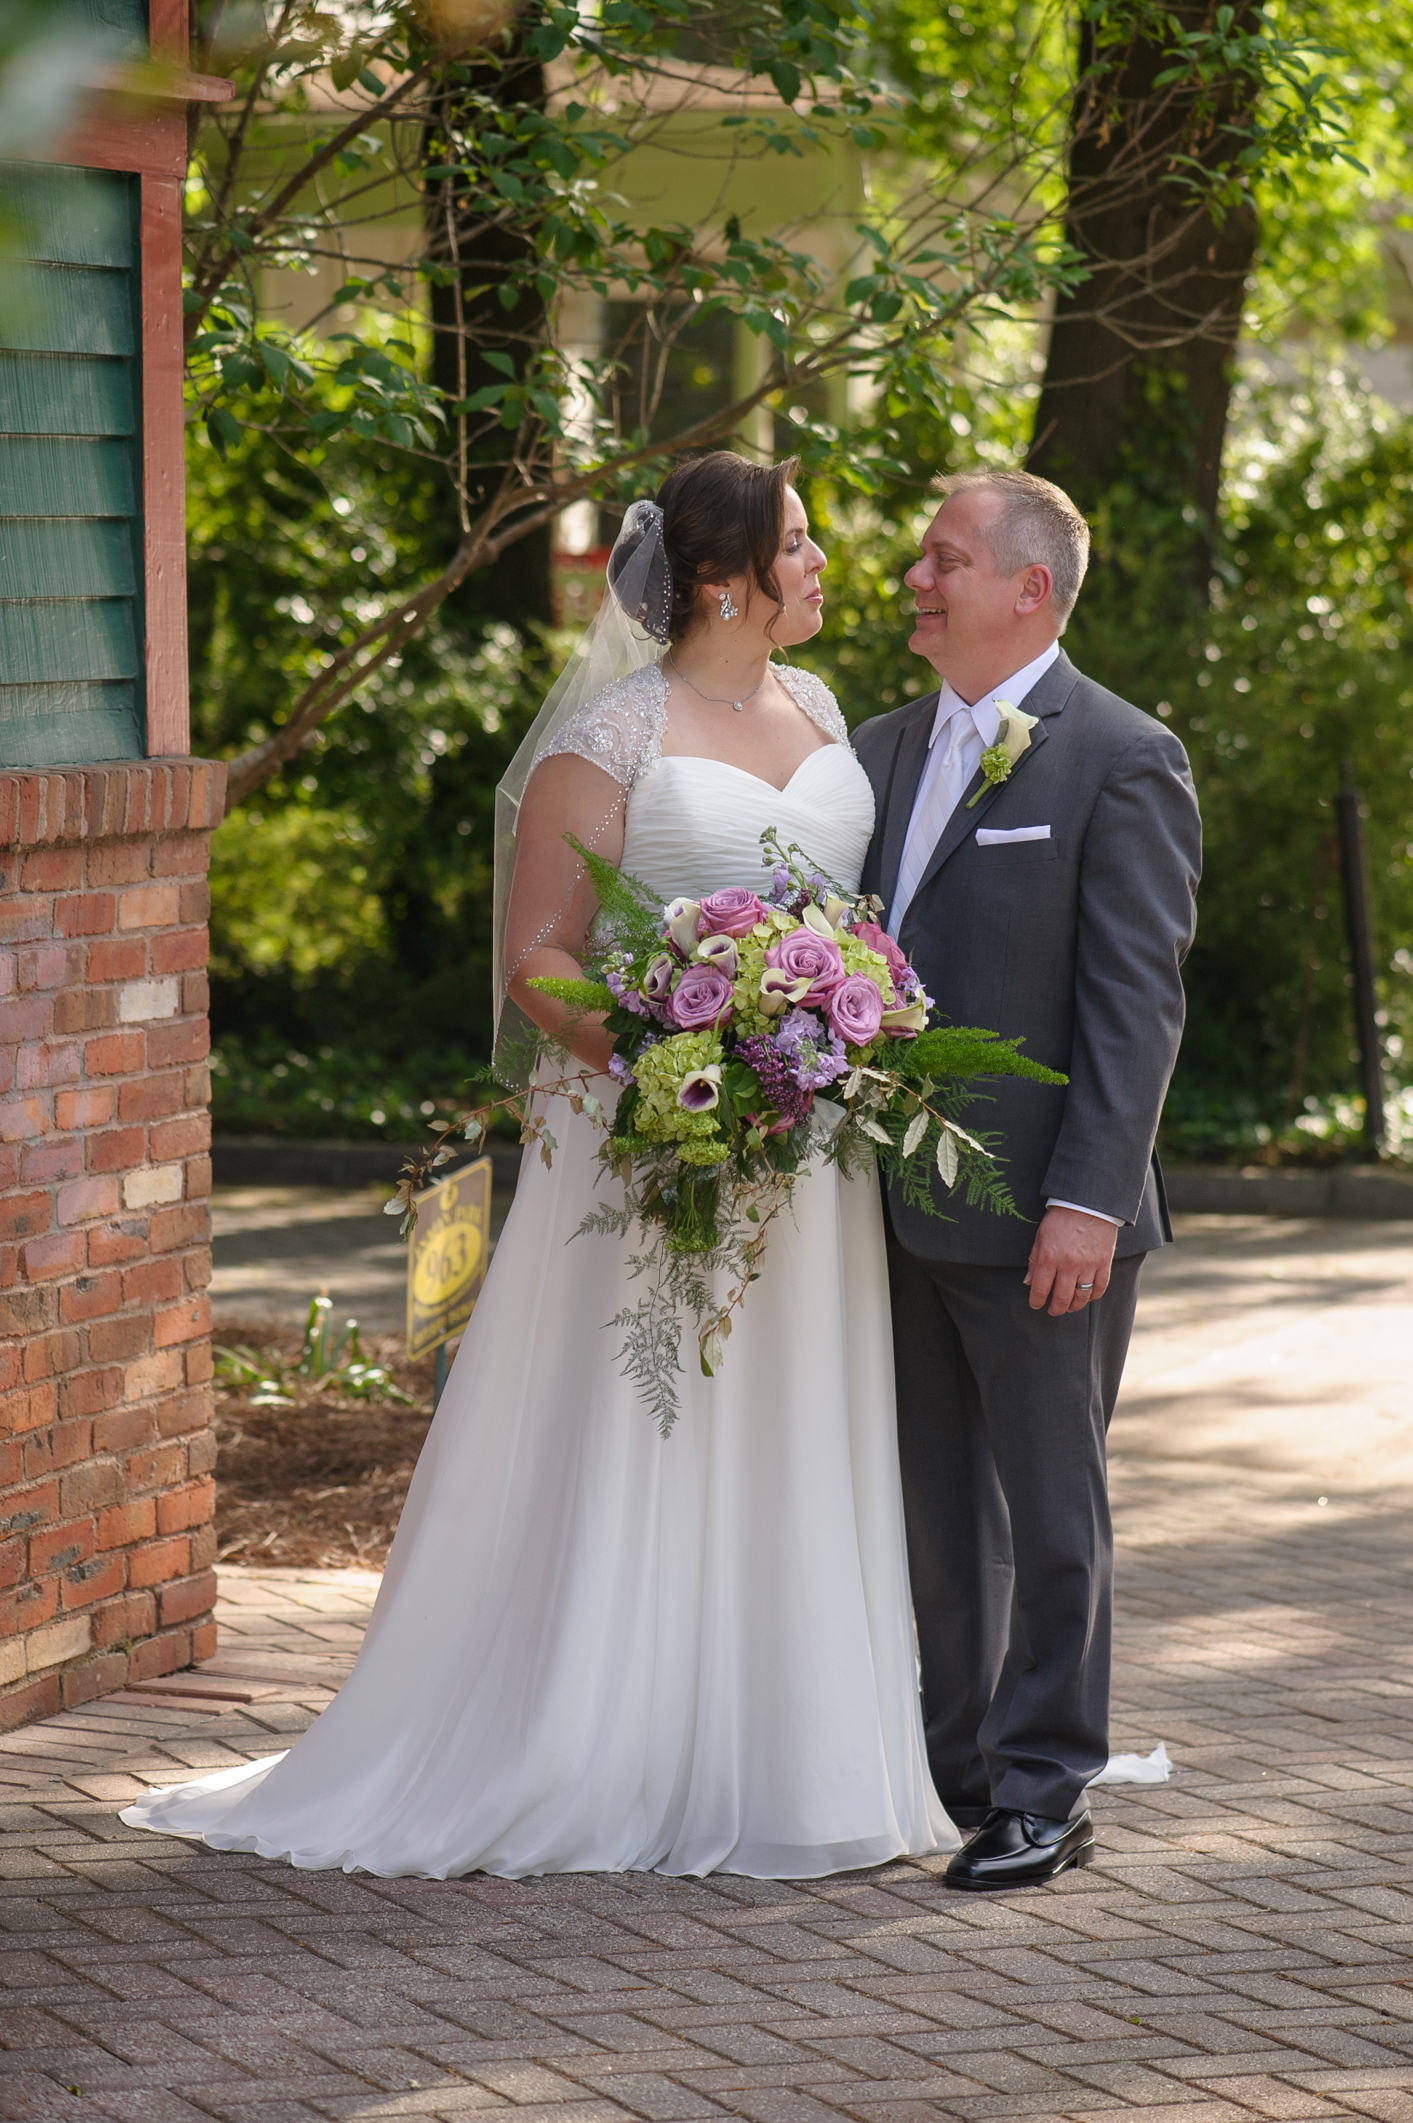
column 786, row 79
column 223, row 429
column 503, row 362
column 948, row 1158
column 345, row 69
column 490, row 394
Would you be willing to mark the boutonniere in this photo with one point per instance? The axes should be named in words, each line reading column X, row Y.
column 1012, row 739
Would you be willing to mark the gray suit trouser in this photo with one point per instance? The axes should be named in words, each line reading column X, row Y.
column 1002, row 1415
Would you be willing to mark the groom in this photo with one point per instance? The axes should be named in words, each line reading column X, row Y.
column 1054, row 904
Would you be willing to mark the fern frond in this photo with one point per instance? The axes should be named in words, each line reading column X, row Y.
column 965, row 1051
column 578, row 994
column 630, row 912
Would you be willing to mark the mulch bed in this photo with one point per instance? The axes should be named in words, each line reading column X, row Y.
column 320, row 1485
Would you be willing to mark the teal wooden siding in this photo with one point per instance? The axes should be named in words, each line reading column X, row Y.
column 71, row 460
column 122, row 20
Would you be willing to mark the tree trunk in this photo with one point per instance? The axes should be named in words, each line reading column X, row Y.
column 1140, row 366
column 517, row 586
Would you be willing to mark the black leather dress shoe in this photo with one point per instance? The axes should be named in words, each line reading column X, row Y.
column 1021, row 1850
column 966, row 1810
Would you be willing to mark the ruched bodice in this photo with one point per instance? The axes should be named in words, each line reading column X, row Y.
column 694, row 825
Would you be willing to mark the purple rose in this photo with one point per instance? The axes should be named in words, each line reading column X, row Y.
column 803, row 955
column 855, row 1010
column 733, row 912
column 701, row 999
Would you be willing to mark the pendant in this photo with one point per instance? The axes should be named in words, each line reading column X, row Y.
column 738, row 705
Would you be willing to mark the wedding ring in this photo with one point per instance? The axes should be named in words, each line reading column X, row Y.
column 1084, row 1286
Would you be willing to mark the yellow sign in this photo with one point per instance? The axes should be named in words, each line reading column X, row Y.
column 446, row 1264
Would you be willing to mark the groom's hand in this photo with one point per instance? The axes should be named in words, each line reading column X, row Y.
column 1070, row 1249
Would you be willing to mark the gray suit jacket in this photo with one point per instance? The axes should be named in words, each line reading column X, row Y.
column 1072, row 944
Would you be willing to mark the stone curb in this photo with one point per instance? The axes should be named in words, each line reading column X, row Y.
column 1202, row 1190
column 1338, row 1191
column 274, row 1161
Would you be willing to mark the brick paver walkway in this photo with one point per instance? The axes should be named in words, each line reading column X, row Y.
column 1241, row 1948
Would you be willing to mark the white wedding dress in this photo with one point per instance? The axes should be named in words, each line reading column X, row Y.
column 594, row 1650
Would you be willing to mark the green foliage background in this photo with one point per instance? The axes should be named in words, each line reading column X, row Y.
column 1304, row 661
column 352, row 897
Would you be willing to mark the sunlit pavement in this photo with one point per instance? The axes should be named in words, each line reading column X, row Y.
column 275, row 1247
column 1240, row 1949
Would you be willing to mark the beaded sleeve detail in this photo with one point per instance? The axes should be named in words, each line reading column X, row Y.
column 619, row 729
column 814, row 696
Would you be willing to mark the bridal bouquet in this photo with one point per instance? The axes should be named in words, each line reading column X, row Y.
column 750, row 1034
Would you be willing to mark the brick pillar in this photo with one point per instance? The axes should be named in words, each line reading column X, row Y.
column 106, row 1542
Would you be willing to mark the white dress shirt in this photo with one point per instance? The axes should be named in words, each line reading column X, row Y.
column 961, row 731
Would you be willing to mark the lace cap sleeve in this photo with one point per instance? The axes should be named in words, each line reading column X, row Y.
column 619, row 729
column 814, row 696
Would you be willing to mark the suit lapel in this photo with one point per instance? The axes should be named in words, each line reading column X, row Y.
column 903, row 778
column 1046, row 699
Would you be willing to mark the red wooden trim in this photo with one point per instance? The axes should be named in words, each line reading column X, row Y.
column 167, row 29
column 164, row 471
column 172, row 85
column 151, row 145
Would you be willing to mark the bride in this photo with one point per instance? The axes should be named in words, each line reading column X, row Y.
column 593, row 1649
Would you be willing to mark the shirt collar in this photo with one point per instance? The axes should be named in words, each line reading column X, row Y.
column 984, row 712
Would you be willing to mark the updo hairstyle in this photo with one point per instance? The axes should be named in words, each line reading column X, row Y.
column 721, row 516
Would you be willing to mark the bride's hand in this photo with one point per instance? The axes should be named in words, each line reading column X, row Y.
column 584, row 1036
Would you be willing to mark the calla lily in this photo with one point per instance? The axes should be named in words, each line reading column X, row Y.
column 817, row 919
column 778, row 991
column 835, row 908
column 907, row 1022
column 657, row 981
column 721, row 952
column 681, row 919
column 701, row 1090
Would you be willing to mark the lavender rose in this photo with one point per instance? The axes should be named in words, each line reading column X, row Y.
column 855, row 1010
column 804, row 956
column 732, row 912
column 701, row 999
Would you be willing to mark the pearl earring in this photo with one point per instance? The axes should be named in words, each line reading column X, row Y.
column 728, row 608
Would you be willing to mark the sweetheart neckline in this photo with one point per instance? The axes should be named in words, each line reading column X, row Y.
column 705, row 759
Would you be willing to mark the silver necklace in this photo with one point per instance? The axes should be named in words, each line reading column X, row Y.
column 716, row 699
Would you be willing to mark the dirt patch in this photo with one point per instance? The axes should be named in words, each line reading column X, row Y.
column 322, row 1484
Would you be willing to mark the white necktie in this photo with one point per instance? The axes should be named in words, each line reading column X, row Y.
column 929, row 822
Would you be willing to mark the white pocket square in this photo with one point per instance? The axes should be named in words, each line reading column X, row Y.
column 1006, row 836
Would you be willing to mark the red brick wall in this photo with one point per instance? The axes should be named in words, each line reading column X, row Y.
column 106, row 1542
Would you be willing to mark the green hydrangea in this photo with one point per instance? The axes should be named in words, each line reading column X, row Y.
column 745, row 989
column 661, row 1071
column 858, row 958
